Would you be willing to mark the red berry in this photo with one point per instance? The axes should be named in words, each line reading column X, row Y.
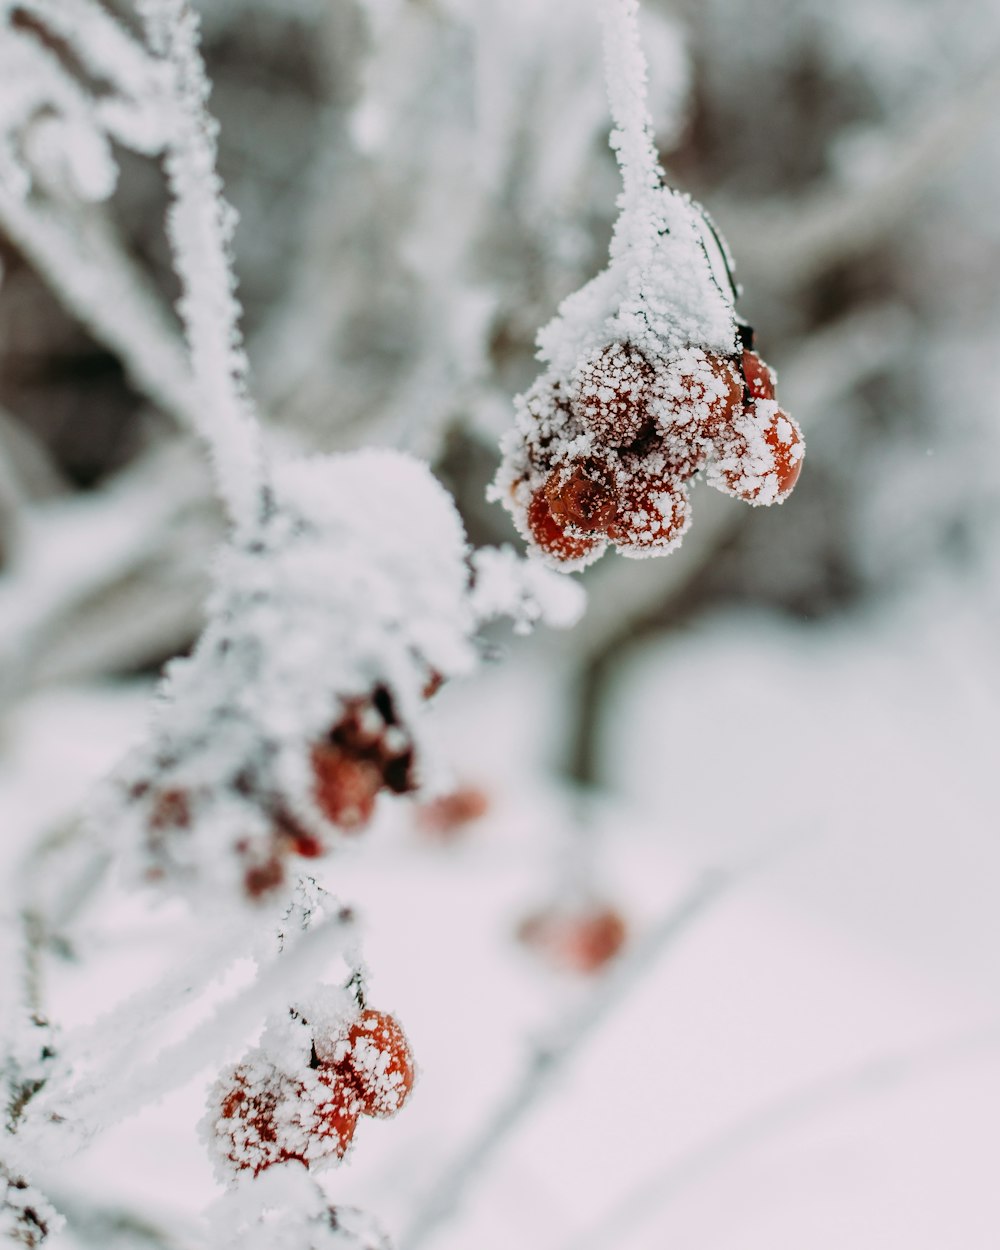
column 260, row 879
column 254, row 1120
column 581, row 498
column 611, row 393
column 699, row 388
column 435, row 681
column 761, row 457
column 578, row 941
column 376, row 1059
column 446, row 816
column 653, row 512
column 267, row 1117
column 552, row 537
column 759, row 377
column 344, row 787
column 338, row 1112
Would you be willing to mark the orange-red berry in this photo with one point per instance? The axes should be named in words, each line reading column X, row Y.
column 611, row 393
column 446, row 816
column 375, row 1058
column 344, row 787
column 768, row 452
column 553, row 537
column 759, row 377
column 581, row 498
column 253, row 1121
column 337, row 1114
column 577, row 941
column 701, row 389
column 653, row 512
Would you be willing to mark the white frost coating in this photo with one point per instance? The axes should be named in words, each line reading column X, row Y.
column 285, row 1209
column 524, row 590
column 200, row 226
column 659, row 290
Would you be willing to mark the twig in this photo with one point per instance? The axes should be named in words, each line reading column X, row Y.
column 47, row 582
column 626, row 75
column 200, row 225
column 109, row 1094
column 806, row 1102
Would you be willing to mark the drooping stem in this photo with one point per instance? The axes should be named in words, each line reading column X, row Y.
column 626, row 75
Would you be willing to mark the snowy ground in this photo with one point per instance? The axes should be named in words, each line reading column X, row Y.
column 814, row 1062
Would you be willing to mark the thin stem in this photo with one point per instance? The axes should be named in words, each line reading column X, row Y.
column 108, row 1094
column 200, row 226
column 626, row 74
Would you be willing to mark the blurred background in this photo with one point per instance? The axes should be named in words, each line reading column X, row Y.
column 806, row 696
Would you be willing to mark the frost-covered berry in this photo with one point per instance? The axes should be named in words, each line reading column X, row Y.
column 610, row 392
column 261, row 879
column 337, row 1113
column 760, row 456
column 578, row 940
column 171, row 809
column 697, row 388
column 256, row 1125
column 375, row 1057
column 581, row 498
column 345, row 787
column 759, row 376
column 654, row 510
column 260, row 1116
column 553, row 537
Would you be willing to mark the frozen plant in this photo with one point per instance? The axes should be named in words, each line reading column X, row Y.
column 344, row 595
column 651, row 376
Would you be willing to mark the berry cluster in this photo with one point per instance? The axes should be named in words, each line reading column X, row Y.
column 263, row 1116
column 367, row 751
column 605, row 456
